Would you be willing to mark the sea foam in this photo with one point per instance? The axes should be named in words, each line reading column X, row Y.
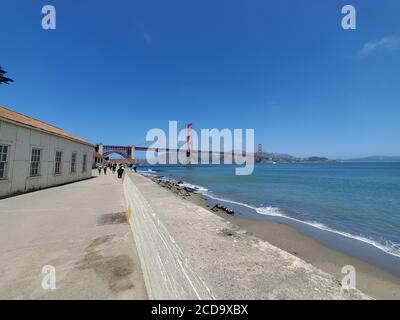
column 389, row 247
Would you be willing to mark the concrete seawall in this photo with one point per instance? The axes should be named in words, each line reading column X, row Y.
column 187, row 252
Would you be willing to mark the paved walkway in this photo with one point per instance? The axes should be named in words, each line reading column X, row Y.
column 77, row 229
column 191, row 253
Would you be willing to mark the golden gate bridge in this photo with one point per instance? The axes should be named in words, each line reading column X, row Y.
column 128, row 152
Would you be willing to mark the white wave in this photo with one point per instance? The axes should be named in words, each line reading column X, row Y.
column 198, row 189
column 390, row 247
column 261, row 210
column 148, row 173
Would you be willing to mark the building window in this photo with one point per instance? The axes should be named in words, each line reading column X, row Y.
column 73, row 163
column 84, row 163
column 4, row 150
column 35, row 162
column 58, row 160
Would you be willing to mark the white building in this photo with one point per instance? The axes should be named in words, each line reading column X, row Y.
column 35, row 155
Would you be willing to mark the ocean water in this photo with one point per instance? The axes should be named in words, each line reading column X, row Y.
column 353, row 207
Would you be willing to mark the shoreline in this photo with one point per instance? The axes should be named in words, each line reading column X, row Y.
column 370, row 279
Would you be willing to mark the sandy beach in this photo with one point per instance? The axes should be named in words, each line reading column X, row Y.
column 370, row 279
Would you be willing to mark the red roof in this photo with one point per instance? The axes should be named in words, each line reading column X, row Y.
column 19, row 118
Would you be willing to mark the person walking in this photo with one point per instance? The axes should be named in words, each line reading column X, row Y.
column 99, row 168
column 105, row 169
column 120, row 172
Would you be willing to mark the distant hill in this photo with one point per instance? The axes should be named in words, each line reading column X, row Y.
column 374, row 159
column 283, row 157
column 269, row 158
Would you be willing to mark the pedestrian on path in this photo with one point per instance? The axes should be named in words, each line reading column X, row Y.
column 120, row 172
column 99, row 168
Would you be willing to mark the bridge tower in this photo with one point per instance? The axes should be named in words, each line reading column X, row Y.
column 259, row 153
column 260, row 149
column 100, row 148
column 133, row 149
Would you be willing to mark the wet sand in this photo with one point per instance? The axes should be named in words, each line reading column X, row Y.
column 370, row 279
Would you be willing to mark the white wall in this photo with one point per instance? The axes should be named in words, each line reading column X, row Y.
column 21, row 140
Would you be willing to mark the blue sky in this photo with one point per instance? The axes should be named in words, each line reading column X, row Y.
column 113, row 70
